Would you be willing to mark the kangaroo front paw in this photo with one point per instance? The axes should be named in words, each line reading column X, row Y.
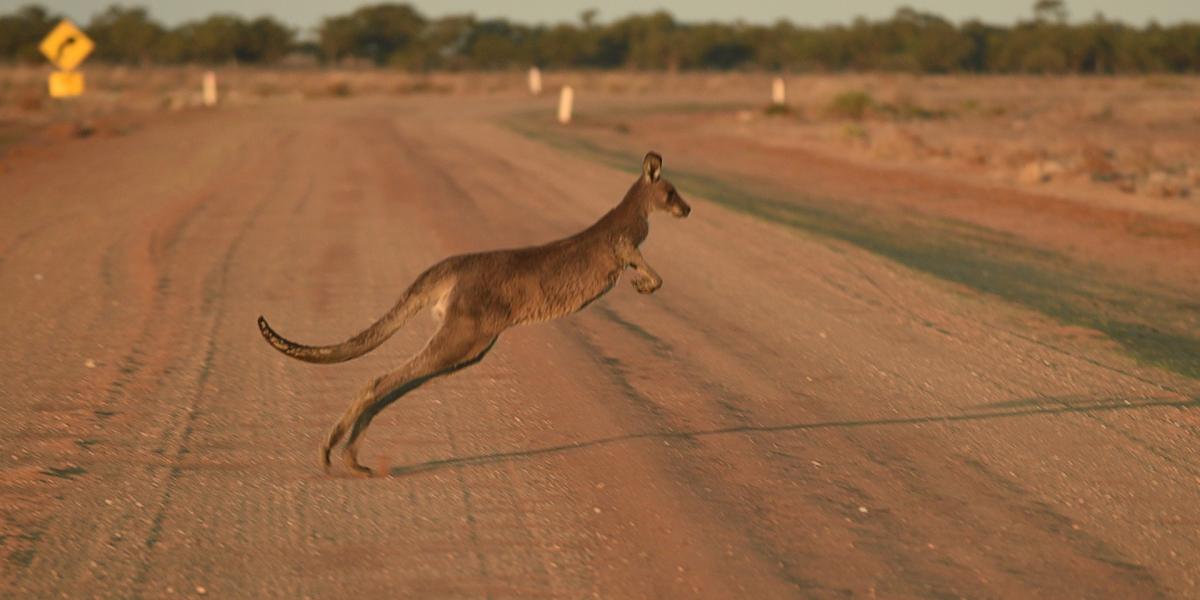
column 646, row 286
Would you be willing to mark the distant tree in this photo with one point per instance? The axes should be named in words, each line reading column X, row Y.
column 338, row 37
column 1094, row 46
column 981, row 40
column 398, row 35
column 1050, row 11
column 125, row 35
column 929, row 43
column 496, row 43
column 606, row 48
column 864, row 47
column 712, row 46
column 376, row 32
column 226, row 38
column 442, row 45
column 1044, row 60
column 217, row 39
column 1178, row 47
column 650, row 40
column 265, row 40
column 562, row 46
column 830, row 49
column 21, row 31
column 588, row 18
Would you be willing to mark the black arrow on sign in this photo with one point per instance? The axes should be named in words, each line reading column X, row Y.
column 63, row 47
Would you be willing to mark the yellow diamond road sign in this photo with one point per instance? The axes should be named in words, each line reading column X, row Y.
column 66, row 46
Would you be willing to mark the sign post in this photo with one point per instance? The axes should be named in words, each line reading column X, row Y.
column 565, row 101
column 66, row 47
column 209, row 89
column 535, row 81
column 778, row 92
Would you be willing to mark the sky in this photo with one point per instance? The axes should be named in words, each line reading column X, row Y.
column 306, row 14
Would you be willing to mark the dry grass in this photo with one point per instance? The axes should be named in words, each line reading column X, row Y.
column 1134, row 134
column 1131, row 135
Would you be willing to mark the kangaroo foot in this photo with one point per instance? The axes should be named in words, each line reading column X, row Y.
column 351, row 462
column 325, row 460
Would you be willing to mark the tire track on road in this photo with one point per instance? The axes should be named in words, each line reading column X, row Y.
column 107, row 420
column 685, row 460
column 164, row 245
column 175, row 446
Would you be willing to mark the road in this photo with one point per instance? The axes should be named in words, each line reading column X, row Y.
column 789, row 416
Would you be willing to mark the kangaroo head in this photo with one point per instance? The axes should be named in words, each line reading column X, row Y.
column 661, row 194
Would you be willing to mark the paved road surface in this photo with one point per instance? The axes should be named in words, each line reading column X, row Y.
column 787, row 417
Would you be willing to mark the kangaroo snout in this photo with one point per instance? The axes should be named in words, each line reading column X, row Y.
column 681, row 210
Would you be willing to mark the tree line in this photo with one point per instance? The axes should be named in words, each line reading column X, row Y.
column 397, row 35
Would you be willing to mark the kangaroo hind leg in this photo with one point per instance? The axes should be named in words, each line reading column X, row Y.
column 457, row 344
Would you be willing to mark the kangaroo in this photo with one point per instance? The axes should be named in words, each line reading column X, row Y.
column 477, row 296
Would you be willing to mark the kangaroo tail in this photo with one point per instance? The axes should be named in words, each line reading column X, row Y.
column 367, row 340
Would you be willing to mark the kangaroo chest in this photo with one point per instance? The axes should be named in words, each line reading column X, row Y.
column 558, row 293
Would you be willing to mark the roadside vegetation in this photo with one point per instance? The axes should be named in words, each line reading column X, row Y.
column 397, row 35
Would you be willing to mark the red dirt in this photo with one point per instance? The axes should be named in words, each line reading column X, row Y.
column 787, row 417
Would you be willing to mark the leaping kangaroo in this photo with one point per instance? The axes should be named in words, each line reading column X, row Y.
column 478, row 296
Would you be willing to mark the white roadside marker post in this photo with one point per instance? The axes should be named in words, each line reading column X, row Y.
column 535, row 81
column 210, row 88
column 564, row 104
column 778, row 92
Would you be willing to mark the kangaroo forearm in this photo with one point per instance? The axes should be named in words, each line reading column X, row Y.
column 637, row 262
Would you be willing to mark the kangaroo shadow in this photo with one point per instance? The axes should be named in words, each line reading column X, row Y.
column 1026, row 407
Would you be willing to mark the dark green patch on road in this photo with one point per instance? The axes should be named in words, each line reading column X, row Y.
column 1151, row 325
column 70, row 472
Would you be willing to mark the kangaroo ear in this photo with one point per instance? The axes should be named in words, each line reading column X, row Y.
column 652, row 167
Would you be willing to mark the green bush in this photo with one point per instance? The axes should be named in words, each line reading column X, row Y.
column 906, row 109
column 851, row 105
column 774, row 110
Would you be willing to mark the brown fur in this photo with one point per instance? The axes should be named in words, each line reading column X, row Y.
column 478, row 296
